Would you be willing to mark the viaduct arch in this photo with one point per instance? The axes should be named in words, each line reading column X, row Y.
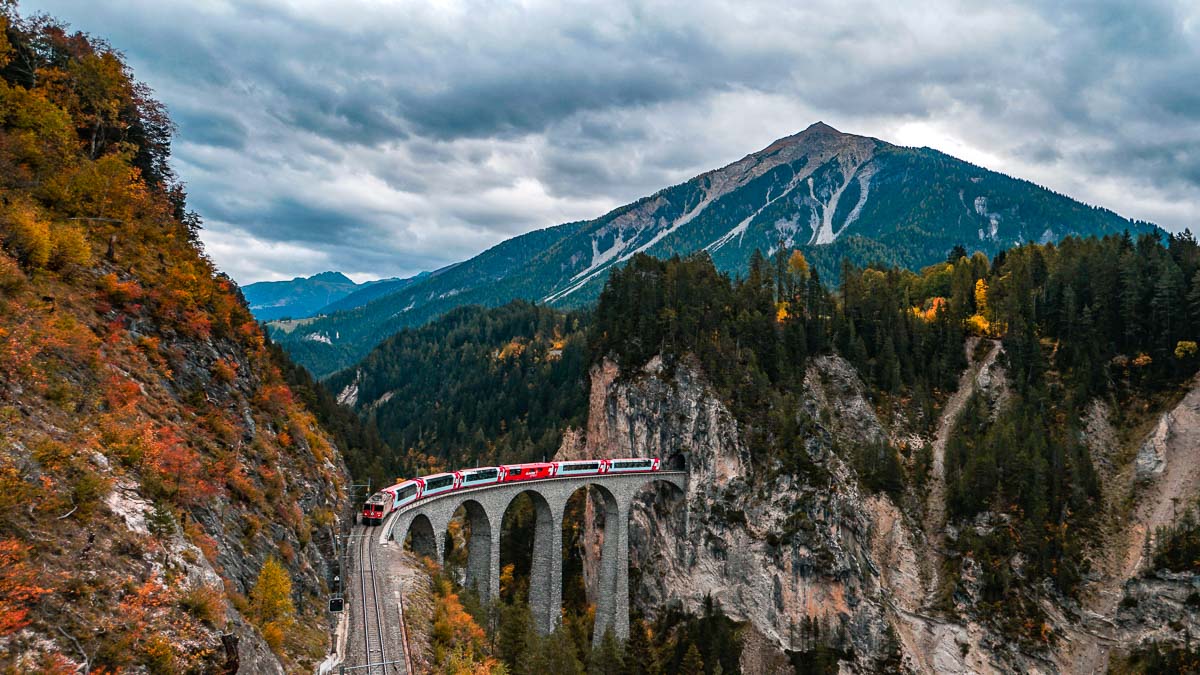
column 428, row 520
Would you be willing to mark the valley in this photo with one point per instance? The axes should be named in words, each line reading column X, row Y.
column 840, row 406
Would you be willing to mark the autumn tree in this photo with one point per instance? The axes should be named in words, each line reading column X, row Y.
column 271, row 601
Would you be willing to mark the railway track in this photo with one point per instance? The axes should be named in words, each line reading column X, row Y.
column 374, row 642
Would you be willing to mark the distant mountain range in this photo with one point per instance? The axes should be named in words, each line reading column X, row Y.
column 830, row 194
column 323, row 293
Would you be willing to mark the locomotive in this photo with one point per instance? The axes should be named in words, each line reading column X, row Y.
column 379, row 505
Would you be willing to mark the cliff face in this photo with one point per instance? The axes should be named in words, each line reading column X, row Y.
column 776, row 551
column 780, row 551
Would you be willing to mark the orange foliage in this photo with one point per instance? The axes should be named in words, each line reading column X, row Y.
column 933, row 307
column 178, row 467
column 118, row 292
column 275, row 398
column 452, row 625
column 225, row 370
column 121, row 392
column 18, row 587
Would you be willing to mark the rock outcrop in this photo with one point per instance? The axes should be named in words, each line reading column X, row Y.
column 776, row 550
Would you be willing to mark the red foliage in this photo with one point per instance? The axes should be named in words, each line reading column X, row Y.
column 119, row 293
column 275, row 398
column 120, row 392
column 18, row 587
column 179, row 468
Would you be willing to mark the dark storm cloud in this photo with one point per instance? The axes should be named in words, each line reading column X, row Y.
column 386, row 138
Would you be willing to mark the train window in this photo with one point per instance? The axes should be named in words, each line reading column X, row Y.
column 482, row 475
column 639, row 464
column 440, row 482
column 589, row 466
column 408, row 492
column 515, row 472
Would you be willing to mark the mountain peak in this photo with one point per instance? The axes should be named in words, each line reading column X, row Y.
column 332, row 276
column 820, row 127
column 818, row 133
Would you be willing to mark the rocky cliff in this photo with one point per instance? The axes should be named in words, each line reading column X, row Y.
column 165, row 502
column 783, row 552
column 775, row 550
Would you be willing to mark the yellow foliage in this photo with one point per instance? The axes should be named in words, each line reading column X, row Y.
column 1142, row 360
column 271, row 597
column 977, row 325
column 507, row 576
column 273, row 636
column 69, row 248
column 28, row 235
column 981, row 293
column 11, row 276
column 158, row 655
column 781, row 312
column 1185, row 349
column 5, row 46
column 798, row 264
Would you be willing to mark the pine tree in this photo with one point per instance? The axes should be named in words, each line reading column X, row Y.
column 1193, row 301
column 560, row 652
column 515, row 622
column 640, row 656
column 692, row 663
column 608, row 657
column 1165, row 306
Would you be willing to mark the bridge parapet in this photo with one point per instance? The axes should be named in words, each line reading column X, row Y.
column 485, row 507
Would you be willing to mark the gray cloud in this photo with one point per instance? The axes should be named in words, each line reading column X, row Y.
column 383, row 139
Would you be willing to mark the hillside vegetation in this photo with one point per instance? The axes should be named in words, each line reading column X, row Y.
column 165, row 501
column 1113, row 319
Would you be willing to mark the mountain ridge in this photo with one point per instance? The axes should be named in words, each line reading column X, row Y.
column 322, row 293
column 833, row 195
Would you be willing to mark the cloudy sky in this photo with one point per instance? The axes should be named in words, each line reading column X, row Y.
column 386, row 137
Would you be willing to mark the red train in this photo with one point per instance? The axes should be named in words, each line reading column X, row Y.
column 382, row 503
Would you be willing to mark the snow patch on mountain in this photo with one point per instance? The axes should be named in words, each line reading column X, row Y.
column 864, row 189
column 826, row 231
column 609, row 258
column 740, row 228
column 981, row 208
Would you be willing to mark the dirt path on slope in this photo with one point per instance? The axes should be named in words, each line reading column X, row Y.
column 932, row 644
column 935, row 501
column 1157, row 502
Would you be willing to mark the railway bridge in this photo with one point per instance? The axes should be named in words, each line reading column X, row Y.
column 427, row 521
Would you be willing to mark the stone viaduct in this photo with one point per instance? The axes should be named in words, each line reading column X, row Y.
column 428, row 520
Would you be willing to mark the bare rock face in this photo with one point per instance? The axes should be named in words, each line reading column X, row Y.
column 1152, row 456
column 774, row 549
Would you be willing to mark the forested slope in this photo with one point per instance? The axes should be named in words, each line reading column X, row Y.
column 166, row 504
column 1110, row 322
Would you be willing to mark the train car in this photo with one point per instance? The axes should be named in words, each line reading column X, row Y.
column 405, row 493
column 485, row 475
column 437, row 484
column 378, row 506
column 590, row 467
column 633, row 465
column 536, row 471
